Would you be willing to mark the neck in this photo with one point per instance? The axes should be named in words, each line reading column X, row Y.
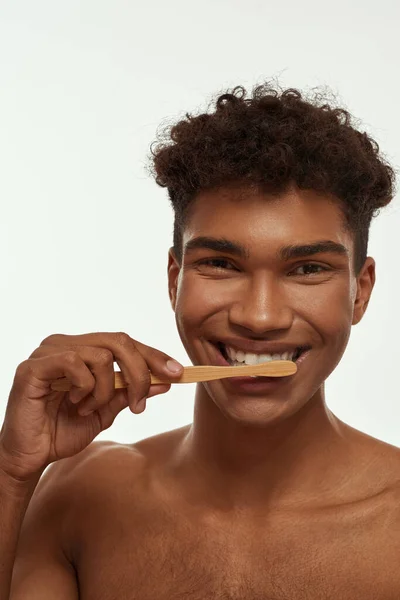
column 300, row 460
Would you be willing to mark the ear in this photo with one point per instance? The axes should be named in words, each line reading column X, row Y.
column 173, row 273
column 365, row 285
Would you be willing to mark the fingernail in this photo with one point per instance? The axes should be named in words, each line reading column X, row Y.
column 174, row 366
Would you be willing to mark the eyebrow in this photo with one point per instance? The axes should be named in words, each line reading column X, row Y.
column 284, row 253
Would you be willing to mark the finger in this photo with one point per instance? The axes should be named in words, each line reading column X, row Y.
column 139, row 361
column 158, row 388
column 107, row 413
column 113, row 341
column 134, row 359
column 154, row 390
column 120, row 401
column 34, row 376
column 100, row 362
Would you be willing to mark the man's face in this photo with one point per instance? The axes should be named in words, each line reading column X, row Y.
column 304, row 300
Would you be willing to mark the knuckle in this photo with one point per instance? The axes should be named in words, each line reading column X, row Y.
column 104, row 357
column 23, row 368
column 86, row 388
column 72, row 357
column 123, row 339
column 37, row 353
column 51, row 339
column 24, row 374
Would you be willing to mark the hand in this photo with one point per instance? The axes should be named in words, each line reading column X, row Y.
column 42, row 426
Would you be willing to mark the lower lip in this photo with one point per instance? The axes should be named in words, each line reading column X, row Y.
column 258, row 384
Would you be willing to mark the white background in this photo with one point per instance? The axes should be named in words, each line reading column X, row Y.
column 84, row 230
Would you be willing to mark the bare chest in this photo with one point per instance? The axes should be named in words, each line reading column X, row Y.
column 154, row 550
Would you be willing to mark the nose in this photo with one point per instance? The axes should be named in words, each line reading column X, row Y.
column 262, row 307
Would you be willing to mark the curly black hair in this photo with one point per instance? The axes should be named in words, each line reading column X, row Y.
column 274, row 139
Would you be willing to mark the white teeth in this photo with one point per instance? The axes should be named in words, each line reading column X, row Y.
column 249, row 358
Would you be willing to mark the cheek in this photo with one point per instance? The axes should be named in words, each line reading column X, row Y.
column 197, row 303
column 190, row 309
column 331, row 317
column 197, row 299
column 328, row 305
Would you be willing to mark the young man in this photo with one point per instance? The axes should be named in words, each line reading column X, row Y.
column 267, row 494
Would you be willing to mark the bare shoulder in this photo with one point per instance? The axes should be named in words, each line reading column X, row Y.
column 103, row 463
column 375, row 461
column 385, row 462
column 66, row 483
column 63, row 478
column 102, row 466
column 379, row 479
column 44, row 559
column 99, row 465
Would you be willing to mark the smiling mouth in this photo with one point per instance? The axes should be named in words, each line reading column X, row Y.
column 221, row 347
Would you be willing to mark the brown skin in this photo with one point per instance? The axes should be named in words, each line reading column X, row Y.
column 251, row 444
column 274, row 498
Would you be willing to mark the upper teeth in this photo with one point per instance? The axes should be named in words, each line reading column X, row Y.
column 253, row 359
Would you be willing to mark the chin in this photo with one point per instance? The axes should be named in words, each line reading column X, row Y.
column 255, row 412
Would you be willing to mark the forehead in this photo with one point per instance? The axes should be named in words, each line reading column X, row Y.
column 259, row 219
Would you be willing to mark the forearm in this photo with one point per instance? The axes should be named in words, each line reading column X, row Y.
column 14, row 500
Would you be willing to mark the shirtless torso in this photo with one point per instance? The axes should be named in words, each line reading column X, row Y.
column 129, row 532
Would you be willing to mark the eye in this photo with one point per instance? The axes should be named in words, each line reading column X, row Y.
column 221, row 264
column 212, row 262
column 309, row 266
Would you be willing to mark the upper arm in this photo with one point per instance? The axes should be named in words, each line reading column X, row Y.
column 43, row 577
column 41, row 568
